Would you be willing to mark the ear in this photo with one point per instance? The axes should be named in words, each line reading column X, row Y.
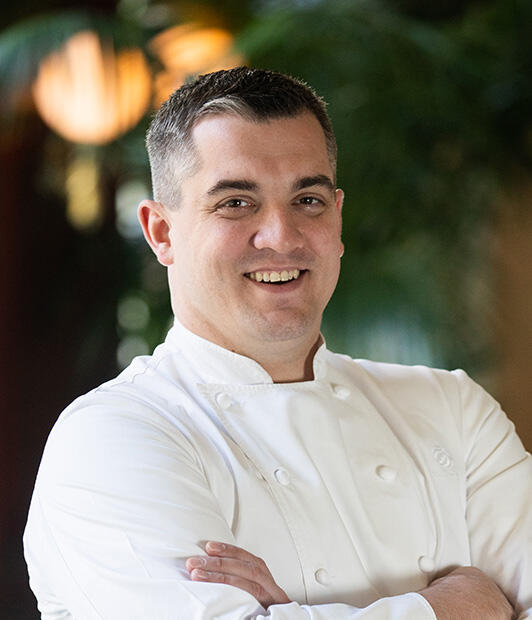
column 339, row 198
column 156, row 228
column 339, row 204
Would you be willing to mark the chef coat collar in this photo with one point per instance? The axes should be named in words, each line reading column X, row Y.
column 215, row 364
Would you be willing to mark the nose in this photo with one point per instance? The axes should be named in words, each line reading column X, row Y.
column 278, row 230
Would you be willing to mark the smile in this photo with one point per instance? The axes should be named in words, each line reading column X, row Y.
column 274, row 276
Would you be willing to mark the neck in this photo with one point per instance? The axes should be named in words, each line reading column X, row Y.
column 288, row 361
column 285, row 365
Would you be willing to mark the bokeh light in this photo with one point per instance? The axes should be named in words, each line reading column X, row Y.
column 88, row 93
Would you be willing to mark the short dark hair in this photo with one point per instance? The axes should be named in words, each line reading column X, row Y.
column 254, row 94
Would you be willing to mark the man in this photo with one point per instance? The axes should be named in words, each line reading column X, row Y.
column 243, row 470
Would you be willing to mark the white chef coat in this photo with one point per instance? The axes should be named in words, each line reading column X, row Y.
column 355, row 488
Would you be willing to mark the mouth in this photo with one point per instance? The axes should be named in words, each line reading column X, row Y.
column 275, row 277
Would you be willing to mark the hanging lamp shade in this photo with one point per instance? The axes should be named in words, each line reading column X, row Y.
column 190, row 49
column 89, row 94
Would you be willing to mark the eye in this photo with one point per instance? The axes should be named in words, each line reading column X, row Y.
column 234, row 208
column 312, row 204
column 309, row 200
column 235, row 203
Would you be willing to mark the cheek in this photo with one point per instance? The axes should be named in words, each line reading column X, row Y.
column 326, row 242
column 230, row 244
column 216, row 258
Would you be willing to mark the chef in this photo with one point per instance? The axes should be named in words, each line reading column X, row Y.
column 244, row 470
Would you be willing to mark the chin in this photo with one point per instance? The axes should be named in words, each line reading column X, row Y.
column 281, row 329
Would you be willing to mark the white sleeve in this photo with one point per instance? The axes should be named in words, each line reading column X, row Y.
column 499, row 495
column 119, row 505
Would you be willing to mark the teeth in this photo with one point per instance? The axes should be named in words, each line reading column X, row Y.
column 274, row 276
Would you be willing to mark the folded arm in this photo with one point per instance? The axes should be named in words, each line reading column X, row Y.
column 465, row 593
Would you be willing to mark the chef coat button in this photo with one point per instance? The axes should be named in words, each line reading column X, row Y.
column 442, row 457
column 426, row 564
column 224, row 400
column 341, row 391
column 322, row 576
column 386, row 473
column 282, row 477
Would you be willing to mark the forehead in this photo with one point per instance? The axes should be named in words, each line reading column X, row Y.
column 229, row 144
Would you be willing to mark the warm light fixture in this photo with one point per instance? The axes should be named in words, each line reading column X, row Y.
column 88, row 93
column 82, row 188
column 189, row 49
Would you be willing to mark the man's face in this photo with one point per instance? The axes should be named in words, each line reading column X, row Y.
column 256, row 238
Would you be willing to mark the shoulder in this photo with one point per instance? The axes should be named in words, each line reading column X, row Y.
column 418, row 390
column 151, row 390
column 402, row 377
column 141, row 414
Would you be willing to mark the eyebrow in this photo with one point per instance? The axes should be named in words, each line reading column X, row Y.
column 240, row 184
column 318, row 179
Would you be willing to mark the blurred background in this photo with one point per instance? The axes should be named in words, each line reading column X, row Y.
column 432, row 106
